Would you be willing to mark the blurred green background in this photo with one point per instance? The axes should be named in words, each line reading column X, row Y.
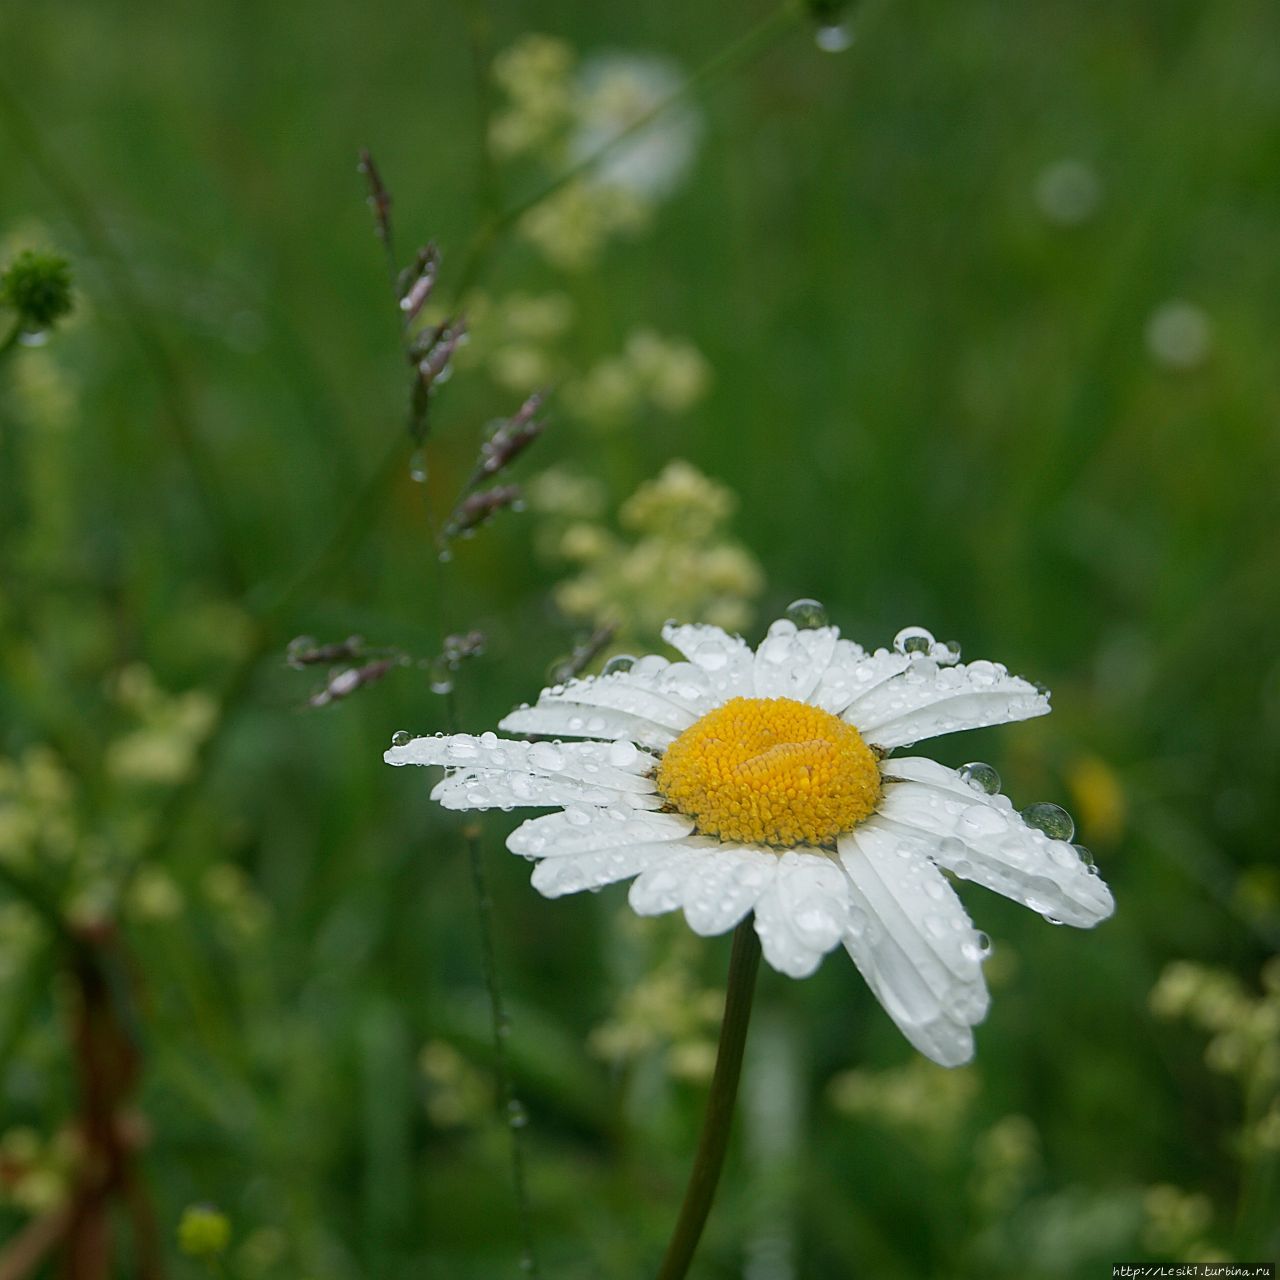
column 976, row 317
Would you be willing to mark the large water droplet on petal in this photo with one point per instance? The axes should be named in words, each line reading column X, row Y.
column 618, row 663
column 807, row 614
column 982, row 777
column 1052, row 819
column 401, row 738
column 544, row 755
column 913, row 640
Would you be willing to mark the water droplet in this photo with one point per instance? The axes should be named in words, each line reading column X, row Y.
column 401, row 738
column 913, row 640
column 807, row 614
column 1086, row 856
column 833, row 37
column 440, row 675
column 622, row 754
column 710, row 656
column 1052, row 819
column 418, row 466
column 445, row 555
column 619, row 663
column 517, row 1116
column 946, row 653
column 543, row 755
column 977, row 948
column 981, row 776
column 981, row 820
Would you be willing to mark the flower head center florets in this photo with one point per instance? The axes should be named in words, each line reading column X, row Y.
column 771, row 771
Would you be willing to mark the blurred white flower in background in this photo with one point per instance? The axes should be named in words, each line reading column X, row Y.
column 1068, row 192
column 1178, row 335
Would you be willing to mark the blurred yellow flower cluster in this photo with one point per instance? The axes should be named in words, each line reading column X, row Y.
column 667, row 1011
column 35, row 1172
column 610, row 121
column 918, row 1098
column 1244, row 1036
column 672, row 559
column 456, row 1093
column 652, row 372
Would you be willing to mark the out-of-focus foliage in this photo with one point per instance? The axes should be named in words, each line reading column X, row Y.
column 969, row 323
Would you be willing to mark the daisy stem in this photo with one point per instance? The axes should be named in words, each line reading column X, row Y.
column 744, row 963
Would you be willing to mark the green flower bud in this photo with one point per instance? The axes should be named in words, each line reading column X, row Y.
column 38, row 287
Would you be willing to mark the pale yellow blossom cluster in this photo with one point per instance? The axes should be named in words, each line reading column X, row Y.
column 162, row 749
column 457, row 1094
column 671, row 558
column 1006, row 1158
column 652, row 372
column 1244, row 1037
column 918, row 1098
column 35, row 1171
column 588, row 120
column 1176, row 1222
column 667, row 1012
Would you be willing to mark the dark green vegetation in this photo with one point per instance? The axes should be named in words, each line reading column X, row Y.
column 936, row 402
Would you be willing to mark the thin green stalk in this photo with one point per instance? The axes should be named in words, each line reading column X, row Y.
column 513, row 1112
column 713, row 1142
column 742, row 51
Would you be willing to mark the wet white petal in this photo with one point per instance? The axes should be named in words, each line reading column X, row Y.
column 789, row 662
column 577, row 871
column 915, row 944
column 725, row 660
column 722, row 886
column 507, row 789
column 577, row 720
column 598, row 763
column 982, row 838
column 853, row 676
column 584, row 829
column 925, row 700
column 803, row 913
column 662, row 888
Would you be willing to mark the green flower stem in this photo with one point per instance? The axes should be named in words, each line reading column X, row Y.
column 714, row 1140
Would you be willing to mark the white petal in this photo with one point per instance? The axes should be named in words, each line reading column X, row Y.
column 926, row 700
column 852, row 676
column 617, row 766
column 790, row 662
column 666, row 696
column 554, row 877
column 726, row 660
column 576, row 720
column 662, row 888
column 507, row 789
column 582, row 829
column 722, row 886
column 804, row 912
column 982, row 838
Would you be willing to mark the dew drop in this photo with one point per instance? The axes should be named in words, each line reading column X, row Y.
column 619, row 663
column 542, row 755
column 982, row 777
column 401, row 738
column 807, row 614
column 440, row 675
column 946, row 653
column 517, row 1115
column 1052, row 819
column 833, row 37
column 913, row 640
column 622, row 754
column 710, row 656
column 297, row 648
column 1086, row 856
column 418, row 466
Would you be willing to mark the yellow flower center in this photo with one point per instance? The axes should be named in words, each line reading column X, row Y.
column 771, row 771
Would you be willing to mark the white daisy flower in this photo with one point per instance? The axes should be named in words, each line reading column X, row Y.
column 761, row 781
